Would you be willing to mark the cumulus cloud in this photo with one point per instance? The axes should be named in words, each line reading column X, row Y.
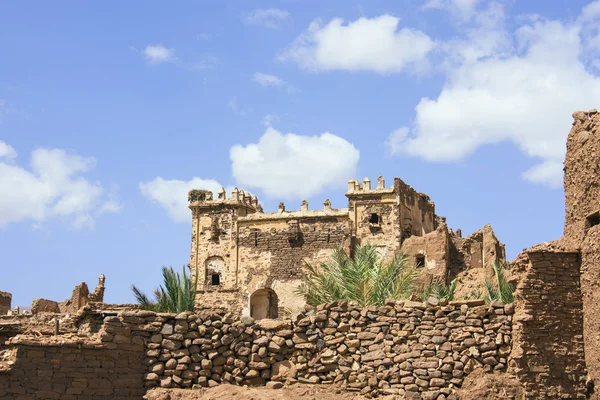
column 6, row 151
column 171, row 194
column 524, row 94
column 157, row 54
column 53, row 186
column 272, row 18
column 367, row 44
column 291, row 165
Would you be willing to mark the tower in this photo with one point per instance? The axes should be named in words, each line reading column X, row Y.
column 214, row 252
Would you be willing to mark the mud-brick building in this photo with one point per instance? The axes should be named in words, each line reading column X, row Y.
column 251, row 262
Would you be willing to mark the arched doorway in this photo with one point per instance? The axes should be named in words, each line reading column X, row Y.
column 263, row 304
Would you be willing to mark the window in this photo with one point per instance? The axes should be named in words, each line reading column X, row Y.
column 215, row 279
column 592, row 220
column 374, row 219
column 420, row 261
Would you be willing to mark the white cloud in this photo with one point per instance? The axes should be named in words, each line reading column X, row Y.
column 271, row 18
column 6, row 151
column 525, row 95
column 172, row 194
column 54, row 186
column 157, row 54
column 292, row 166
column 267, row 80
column 367, row 44
column 464, row 9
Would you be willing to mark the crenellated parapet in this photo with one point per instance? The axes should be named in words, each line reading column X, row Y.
column 303, row 212
column 203, row 199
column 355, row 187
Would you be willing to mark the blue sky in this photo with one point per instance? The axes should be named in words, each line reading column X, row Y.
column 111, row 111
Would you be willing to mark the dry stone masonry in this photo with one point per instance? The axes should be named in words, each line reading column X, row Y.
column 421, row 350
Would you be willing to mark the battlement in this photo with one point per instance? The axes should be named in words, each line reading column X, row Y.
column 354, row 187
column 239, row 198
column 304, row 212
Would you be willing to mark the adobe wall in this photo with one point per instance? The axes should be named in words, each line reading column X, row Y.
column 582, row 174
column 68, row 369
column 435, row 248
column 5, row 300
column 548, row 351
column 590, row 288
column 273, row 251
column 582, row 199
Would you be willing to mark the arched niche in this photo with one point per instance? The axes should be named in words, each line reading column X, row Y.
column 263, row 304
column 215, row 268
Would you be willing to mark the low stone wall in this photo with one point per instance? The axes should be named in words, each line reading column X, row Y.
column 416, row 349
column 67, row 369
column 398, row 348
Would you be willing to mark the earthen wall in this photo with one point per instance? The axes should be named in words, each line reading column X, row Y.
column 548, row 349
column 5, row 300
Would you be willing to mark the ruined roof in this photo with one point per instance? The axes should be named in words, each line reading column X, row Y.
column 334, row 212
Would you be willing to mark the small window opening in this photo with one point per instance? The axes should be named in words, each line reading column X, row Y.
column 374, row 219
column 215, row 279
column 255, row 239
column 592, row 220
column 420, row 261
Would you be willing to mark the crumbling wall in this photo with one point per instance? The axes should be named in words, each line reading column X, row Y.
column 5, row 300
column 582, row 218
column 548, row 352
column 429, row 254
column 70, row 369
column 273, row 252
column 590, row 288
column 403, row 348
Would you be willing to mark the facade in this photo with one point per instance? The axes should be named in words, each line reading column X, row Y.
column 251, row 262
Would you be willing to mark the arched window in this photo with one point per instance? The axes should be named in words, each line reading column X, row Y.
column 215, row 267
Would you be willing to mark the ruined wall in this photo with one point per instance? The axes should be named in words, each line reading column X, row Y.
column 417, row 211
column 70, row 369
column 5, row 300
column 403, row 347
column 582, row 199
column 429, row 254
column 582, row 175
column 273, row 250
column 590, row 288
column 548, row 352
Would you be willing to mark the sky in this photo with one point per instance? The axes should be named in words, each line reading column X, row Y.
column 111, row 111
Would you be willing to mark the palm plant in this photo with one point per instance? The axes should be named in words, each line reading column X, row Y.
column 364, row 278
column 177, row 295
column 501, row 289
column 439, row 290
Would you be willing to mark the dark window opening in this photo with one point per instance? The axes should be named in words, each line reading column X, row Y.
column 592, row 220
column 420, row 261
column 215, row 279
column 374, row 219
column 255, row 239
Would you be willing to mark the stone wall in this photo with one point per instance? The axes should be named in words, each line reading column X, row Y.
column 548, row 351
column 410, row 348
column 582, row 221
column 73, row 369
column 5, row 300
